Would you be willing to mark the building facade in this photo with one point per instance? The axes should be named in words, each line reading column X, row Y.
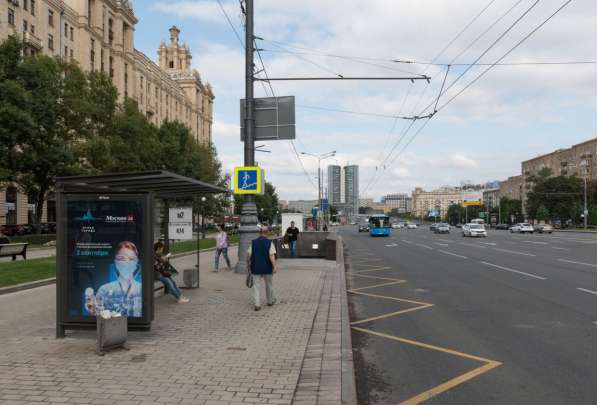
column 351, row 187
column 424, row 201
column 511, row 188
column 99, row 36
column 303, row 206
column 402, row 203
column 491, row 198
column 579, row 160
column 335, row 185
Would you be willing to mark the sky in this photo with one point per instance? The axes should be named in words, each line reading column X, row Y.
column 481, row 132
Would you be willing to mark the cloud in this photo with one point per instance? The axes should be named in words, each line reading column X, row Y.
column 463, row 161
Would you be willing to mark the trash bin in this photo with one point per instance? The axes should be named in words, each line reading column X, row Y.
column 111, row 333
column 189, row 278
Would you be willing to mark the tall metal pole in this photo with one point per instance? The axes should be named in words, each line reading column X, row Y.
column 319, row 194
column 248, row 220
column 586, row 211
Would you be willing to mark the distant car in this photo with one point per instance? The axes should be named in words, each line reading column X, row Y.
column 396, row 225
column 459, row 226
column 411, row 226
column 522, row 227
column 353, row 223
column 544, row 228
column 442, row 228
column 432, row 227
column 503, row 227
column 363, row 228
column 474, row 230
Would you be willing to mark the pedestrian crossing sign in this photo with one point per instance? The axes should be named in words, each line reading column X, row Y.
column 248, row 180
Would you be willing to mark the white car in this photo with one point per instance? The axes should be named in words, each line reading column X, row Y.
column 522, row 227
column 396, row 225
column 474, row 230
column 411, row 226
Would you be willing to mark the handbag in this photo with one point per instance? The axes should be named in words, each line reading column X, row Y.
column 249, row 280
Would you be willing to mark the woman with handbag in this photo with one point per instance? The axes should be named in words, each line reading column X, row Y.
column 163, row 272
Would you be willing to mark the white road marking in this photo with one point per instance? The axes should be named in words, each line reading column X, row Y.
column 453, row 254
column 573, row 262
column 514, row 252
column 536, row 243
column 392, row 245
column 445, row 240
column 514, row 271
column 441, row 244
column 559, row 248
column 424, row 246
column 587, row 291
column 407, row 241
column 470, row 244
column 489, row 243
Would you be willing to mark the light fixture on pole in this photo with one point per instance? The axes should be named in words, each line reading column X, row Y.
column 319, row 158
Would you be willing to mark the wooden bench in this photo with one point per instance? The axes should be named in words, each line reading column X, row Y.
column 14, row 250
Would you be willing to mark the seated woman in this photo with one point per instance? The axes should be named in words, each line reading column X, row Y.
column 163, row 272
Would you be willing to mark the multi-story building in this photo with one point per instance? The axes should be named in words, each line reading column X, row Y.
column 402, row 203
column 304, row 206
column 511, row 188
column 579, row 160
column 335, row 185
column 491, row 198
column 99, row 36
column 351, row 189
column 423, row 202
column 365, row 202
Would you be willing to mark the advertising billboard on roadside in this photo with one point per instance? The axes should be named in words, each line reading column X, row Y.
column 105, row 256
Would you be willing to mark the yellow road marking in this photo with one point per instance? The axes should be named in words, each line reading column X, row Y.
column 432, row 392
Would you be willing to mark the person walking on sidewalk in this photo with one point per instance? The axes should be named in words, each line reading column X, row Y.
column 221, row 247
column 292, row 234
column 261, row 262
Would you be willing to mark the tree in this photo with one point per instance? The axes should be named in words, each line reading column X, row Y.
column 562, row 196
column 44, row 119
column 267, row 204
column 593, row 214
column 542, row 213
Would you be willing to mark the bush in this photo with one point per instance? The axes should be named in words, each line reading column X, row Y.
column 33, row 239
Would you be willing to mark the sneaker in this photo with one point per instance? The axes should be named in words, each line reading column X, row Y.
column 272, row 303
column 184, row 300
column 257, row 308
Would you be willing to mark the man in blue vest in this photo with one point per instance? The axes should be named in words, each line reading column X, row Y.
column 261, row 262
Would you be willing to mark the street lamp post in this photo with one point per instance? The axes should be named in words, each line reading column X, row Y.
column 319, row 158
column 586, row 210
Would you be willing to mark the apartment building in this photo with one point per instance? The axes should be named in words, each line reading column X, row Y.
column 99, row 36
column 424, row 201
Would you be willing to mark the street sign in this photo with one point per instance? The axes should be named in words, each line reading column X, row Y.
column 325, row 204
column 274, row 118
column 482, row 215
column 180, row 223
column 248, row 180
column 434, row 213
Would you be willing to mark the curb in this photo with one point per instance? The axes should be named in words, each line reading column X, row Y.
column 349, row 386
column 48, row 281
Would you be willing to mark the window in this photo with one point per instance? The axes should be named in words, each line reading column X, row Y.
column 171, row 64
column 72, row 34
column 32, row 29
column 111, row 66
column 32, row 7
column 25, row 26
column 126, row 80
column 11, row 16
column 89, row 11
column 25, row 6
column 92, row 55
column 51, row 42
column 65, row 52
column 50, row 18
column 110, row 31
column 102, row 59
column 72, row 54
column 65, row 30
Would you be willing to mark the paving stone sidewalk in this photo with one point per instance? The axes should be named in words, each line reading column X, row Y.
column 215, row 350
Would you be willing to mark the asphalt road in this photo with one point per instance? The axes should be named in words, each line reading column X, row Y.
column 442, row 319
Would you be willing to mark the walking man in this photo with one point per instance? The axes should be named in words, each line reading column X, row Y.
column 222, row 247
column 292, row 233
column 261, row 262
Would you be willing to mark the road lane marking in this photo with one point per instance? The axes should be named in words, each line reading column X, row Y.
column 424, row 246
column 514, row 252
column 392, row 245
column 441, row 244
column 514, row 271
column 559, row 248
column 453, row 254
column 573, row 262
column 533, row 242
column 473, row 245
column 424, row 396
column 445, row 240
column 407, row 241
column 489, row 243
column 587, row 291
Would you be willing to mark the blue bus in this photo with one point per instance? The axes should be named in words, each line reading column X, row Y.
column 379, row 225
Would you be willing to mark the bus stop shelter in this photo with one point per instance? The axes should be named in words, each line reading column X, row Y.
column 104, row 242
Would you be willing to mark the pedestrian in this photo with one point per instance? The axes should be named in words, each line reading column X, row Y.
column 261, row 262
column 221, row 247
column 292, row 234
column 163, row 272
column 325, row 227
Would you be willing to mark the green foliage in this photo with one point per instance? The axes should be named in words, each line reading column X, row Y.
column 593, row 214
column 561, row 196
column 24, row 271
column 267, row 204
column 33, row 239
column 542, row 213
column 511, row 210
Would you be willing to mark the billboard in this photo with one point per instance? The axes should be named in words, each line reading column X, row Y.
column 472, row 198
column 105, row 259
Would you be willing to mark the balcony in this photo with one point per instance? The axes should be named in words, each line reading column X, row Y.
column 33, row 41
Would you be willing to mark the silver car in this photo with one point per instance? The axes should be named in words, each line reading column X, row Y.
column 474, row 230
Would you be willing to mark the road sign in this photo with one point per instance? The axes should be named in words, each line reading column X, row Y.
column 274, row 118
column 325, row 204
column 180, row 223
column 434, row 213
column 482, row 215
column 248, row 180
